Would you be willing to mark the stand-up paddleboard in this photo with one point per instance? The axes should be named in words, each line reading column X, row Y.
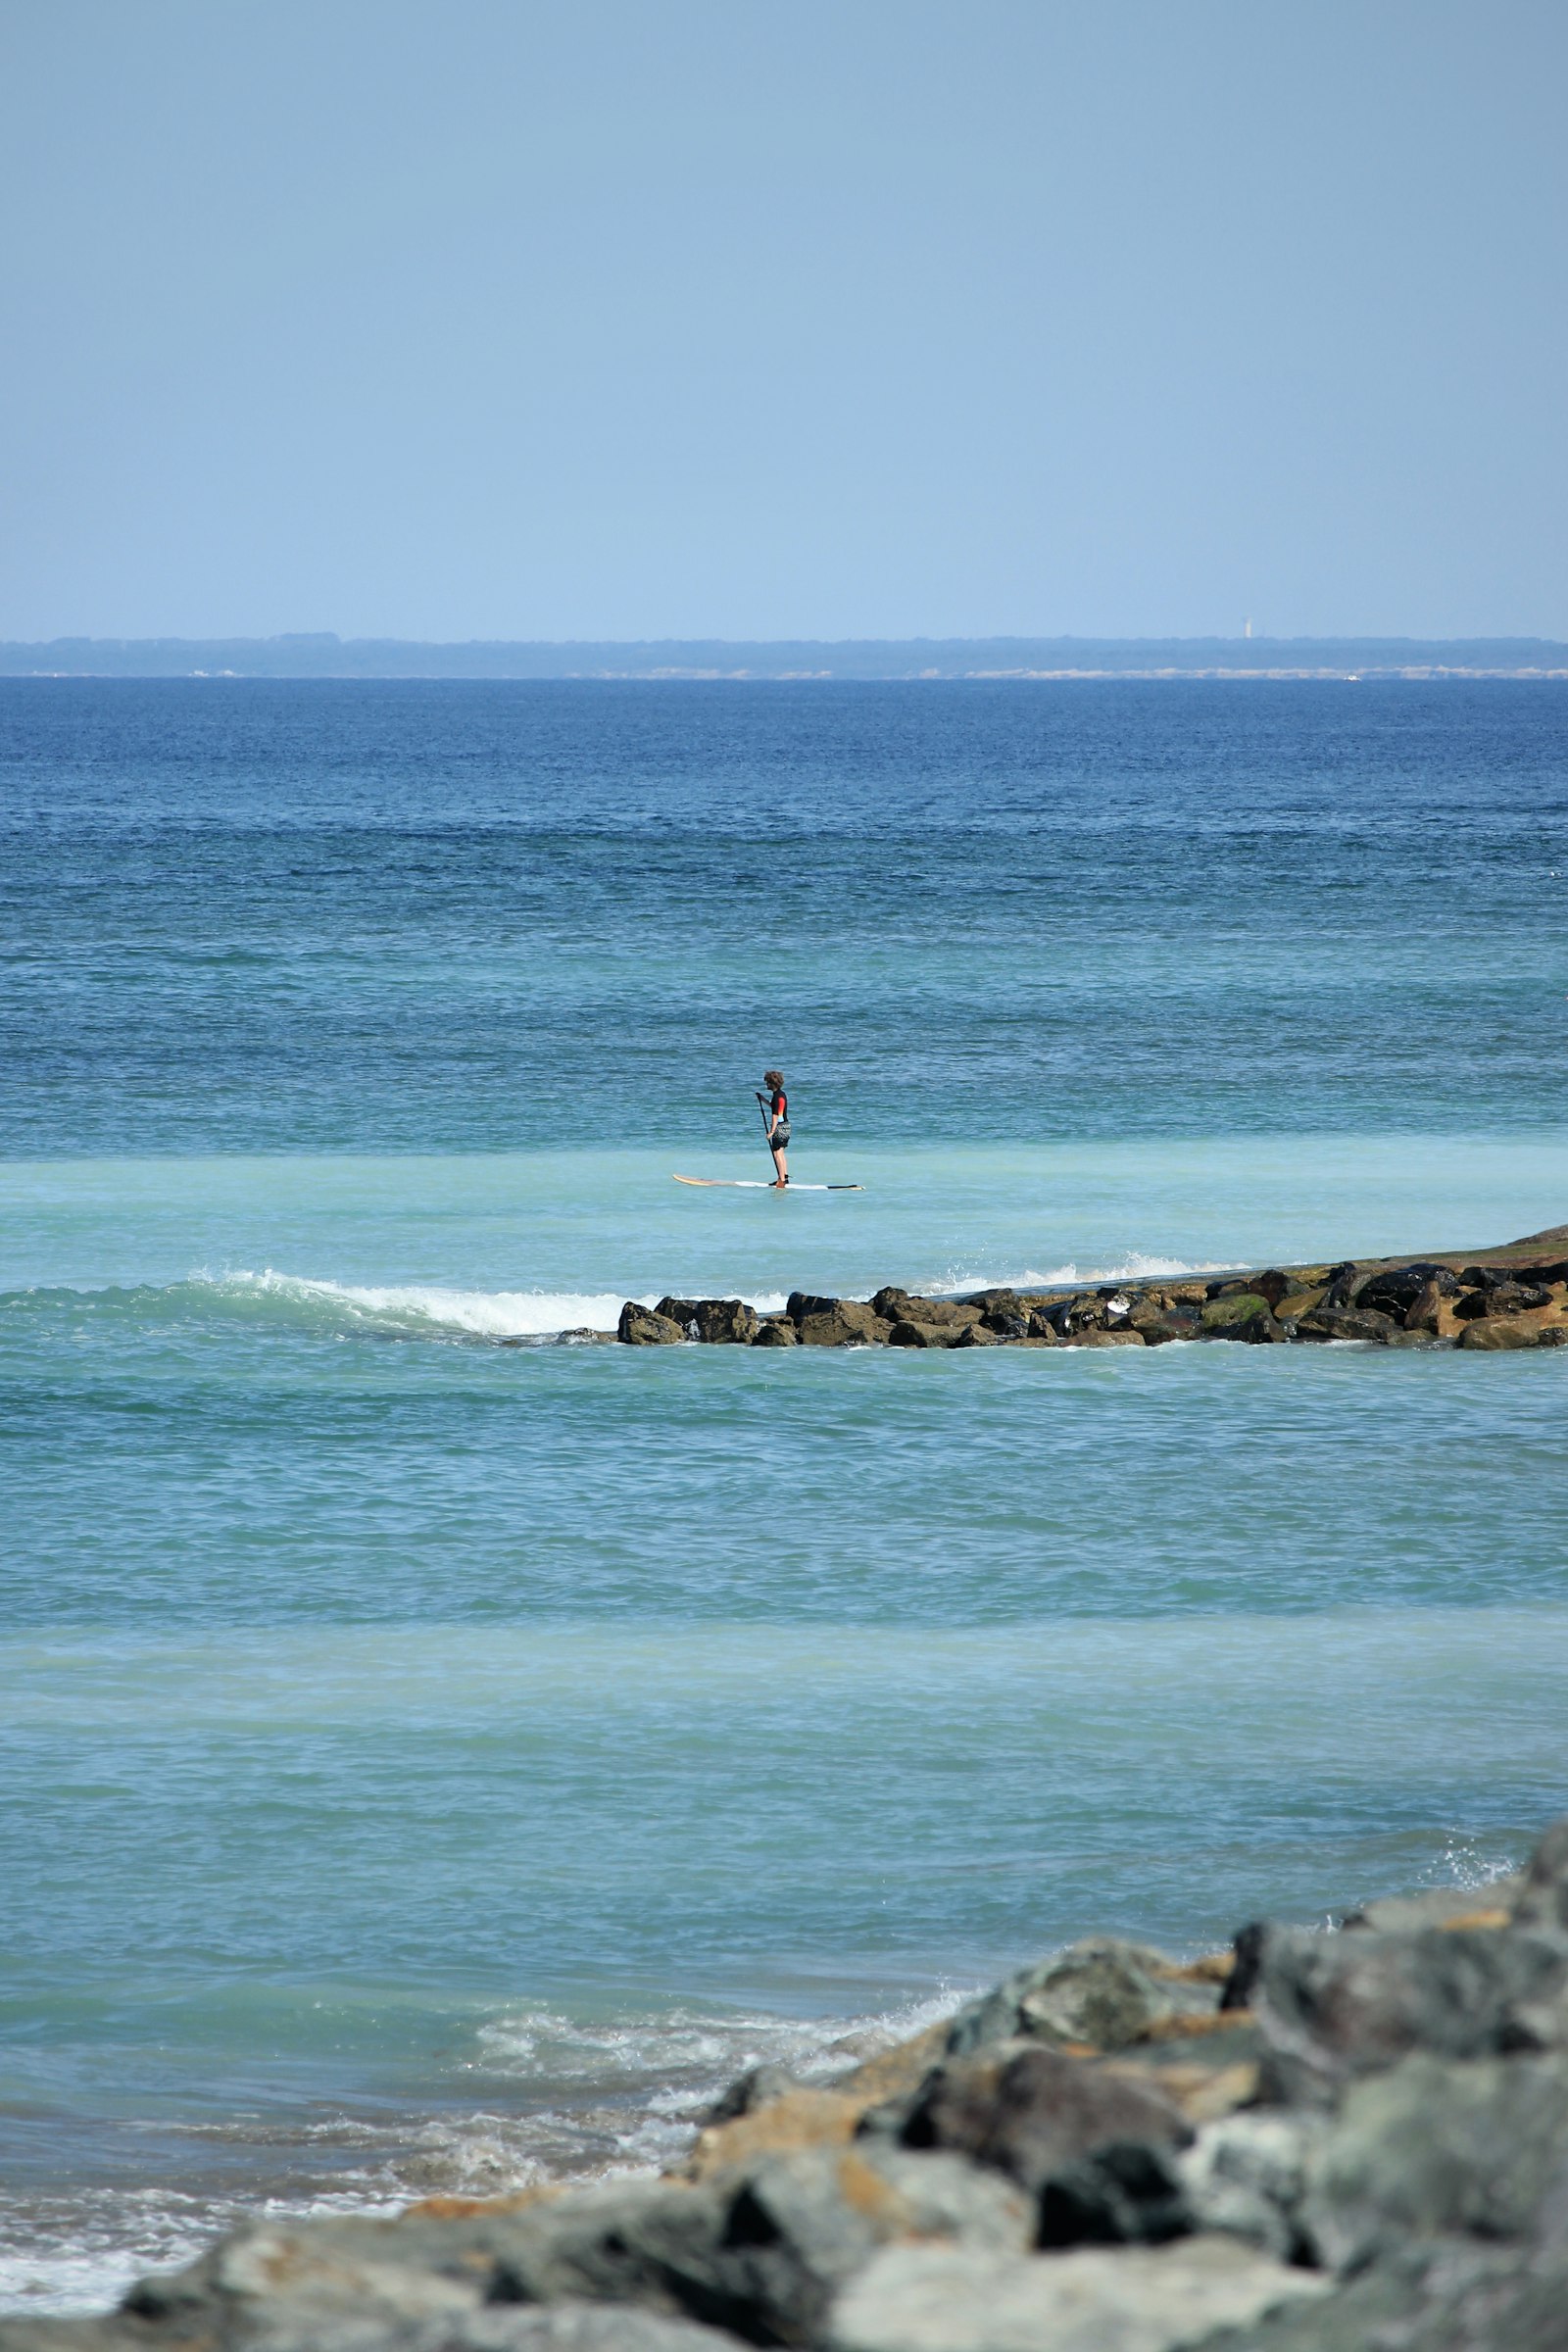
column 759, row 1184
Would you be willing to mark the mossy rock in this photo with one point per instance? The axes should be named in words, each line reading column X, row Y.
column 1222, row 1314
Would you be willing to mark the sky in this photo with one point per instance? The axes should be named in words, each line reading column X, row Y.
column 564, row 319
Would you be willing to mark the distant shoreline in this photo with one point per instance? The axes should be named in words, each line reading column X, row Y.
column 703, row 660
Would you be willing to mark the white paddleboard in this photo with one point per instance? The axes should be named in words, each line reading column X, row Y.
column 759, row 1184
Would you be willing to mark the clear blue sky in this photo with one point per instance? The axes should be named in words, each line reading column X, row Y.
column 642, row 317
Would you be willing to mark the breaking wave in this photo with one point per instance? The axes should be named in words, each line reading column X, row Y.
column 1131, row 1266
column 444, row 1313
column 558, row 2098
column 400, row 1311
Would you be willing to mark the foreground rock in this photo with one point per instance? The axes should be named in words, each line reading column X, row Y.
column 1314, row 2143
column 1493, row 1302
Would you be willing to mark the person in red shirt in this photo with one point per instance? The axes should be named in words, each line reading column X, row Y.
column 777, row 1105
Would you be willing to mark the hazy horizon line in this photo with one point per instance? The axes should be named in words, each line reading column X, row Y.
column 323, row 654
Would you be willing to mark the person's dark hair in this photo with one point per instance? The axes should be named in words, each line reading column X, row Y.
column 772, row 1077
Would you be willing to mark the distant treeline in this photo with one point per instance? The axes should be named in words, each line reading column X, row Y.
column 330, row 657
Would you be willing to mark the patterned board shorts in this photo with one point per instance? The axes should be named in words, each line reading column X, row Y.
column 780, row 1136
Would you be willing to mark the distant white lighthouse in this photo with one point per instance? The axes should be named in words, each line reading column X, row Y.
column 1247, row 628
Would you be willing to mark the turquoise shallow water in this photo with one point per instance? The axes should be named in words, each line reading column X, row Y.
column 431, row 1760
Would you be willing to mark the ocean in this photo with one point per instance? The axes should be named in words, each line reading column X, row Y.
column 437, row 1755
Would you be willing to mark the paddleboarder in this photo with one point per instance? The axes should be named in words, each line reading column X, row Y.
column 776, row 1115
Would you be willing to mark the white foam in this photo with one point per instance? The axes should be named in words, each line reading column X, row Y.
column 490, row 1314
column 1133, row 1265
column 619, row 2096
column 696, row 2052
column 433, row 1308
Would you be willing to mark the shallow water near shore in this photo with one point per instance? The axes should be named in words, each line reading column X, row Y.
column 432, row 1760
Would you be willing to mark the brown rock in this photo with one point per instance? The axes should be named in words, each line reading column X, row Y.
column 921, row 1335
column 1033, row 2113
column 1425, row 1310
column 802, row 2119
column 848, row 1323
column 892, row 1305
column 1344, row 1323
column 941, row 1314
column 716, row 1321
column 642, row 1327
column 1297, row 1303
column 1501, row 1332
column 893, row 2073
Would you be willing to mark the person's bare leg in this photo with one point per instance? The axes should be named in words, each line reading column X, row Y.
column 782, row 1165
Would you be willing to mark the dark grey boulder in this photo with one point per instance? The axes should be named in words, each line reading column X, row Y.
column 1343, row 1281
column 761, row 2254
column 1502, row 1299
column 1102, row 1993
column 1447, row 2298
column 112, row 2333
column 1437, row 2147
column 995, row 1303
column 1334, row 2006
column 801, row 1303
column 1395, row 1290
column 1542, row 1901
column 650, row 2242
column 1343, row 1323
column 1139, row 2299
column 1248, row 2175
column 1096, row 2148
column 556, row 2327
column 778, row 1331
column 1052, row 1320
column 1437, row 1907
column 1161, row 1326
column 800, row 2225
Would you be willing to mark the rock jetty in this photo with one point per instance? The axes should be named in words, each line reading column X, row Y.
column 1512, row 1297
column 1346, row 2140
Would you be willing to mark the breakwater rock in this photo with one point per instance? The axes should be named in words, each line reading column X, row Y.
column 1316, row 2141
column 1512, row 1297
